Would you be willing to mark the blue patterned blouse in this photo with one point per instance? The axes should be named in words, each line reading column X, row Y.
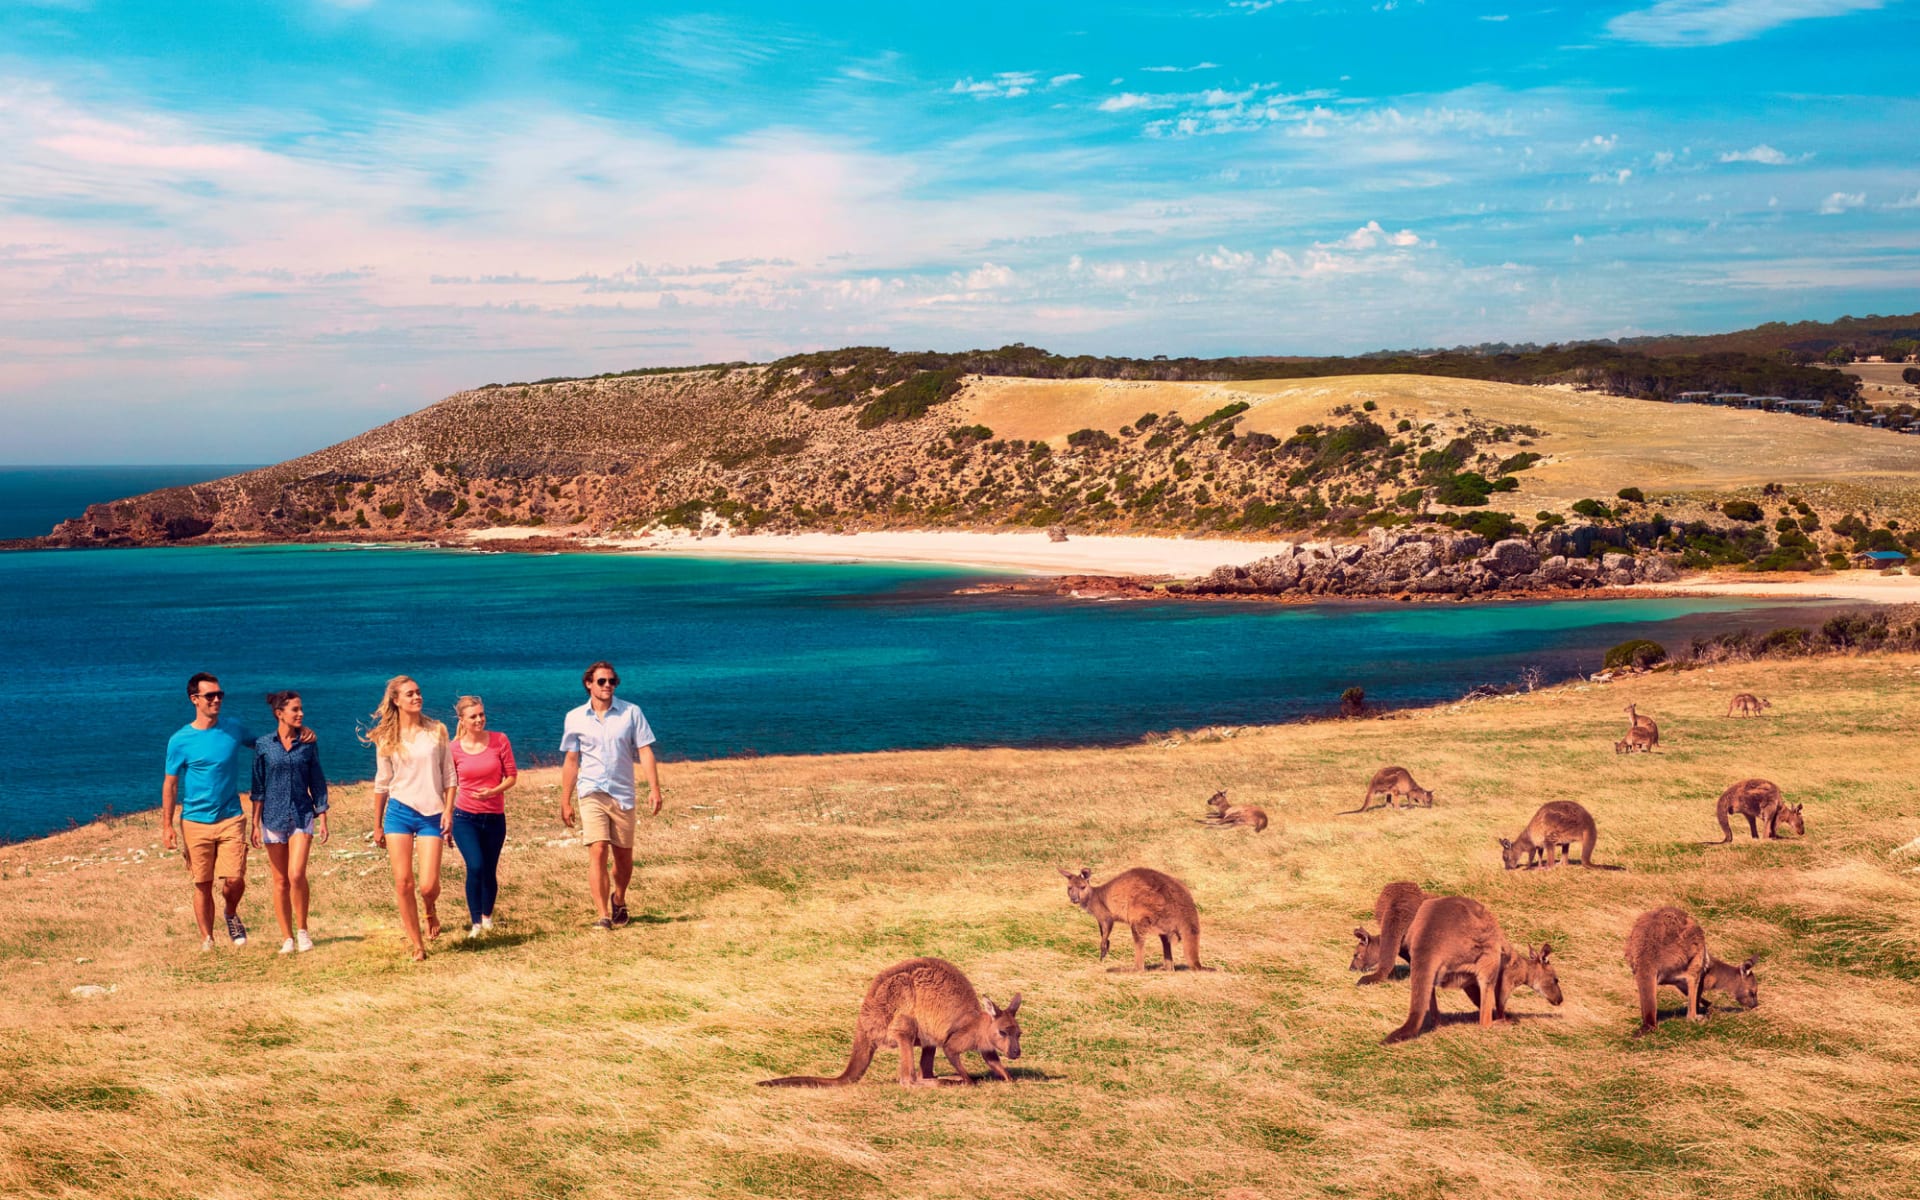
column 287, row 784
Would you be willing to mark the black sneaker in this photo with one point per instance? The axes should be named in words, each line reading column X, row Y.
column 235, row 930
column 620, row 917
column 603, row 925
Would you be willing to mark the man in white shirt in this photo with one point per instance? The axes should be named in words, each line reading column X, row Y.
column 603, row 740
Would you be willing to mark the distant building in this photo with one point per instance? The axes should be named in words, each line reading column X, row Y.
column 1880, row 558
column 1694, row 398
column 1731, row 399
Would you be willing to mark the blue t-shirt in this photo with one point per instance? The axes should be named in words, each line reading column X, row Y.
column 208, row 764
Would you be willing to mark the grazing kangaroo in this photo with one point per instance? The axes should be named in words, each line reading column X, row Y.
column 1552, row 831
column 1377, row 953
column 923, row 1004
column 1226, row 814
column 1455, row 942
column 1642, row 727
column 1757, row 800
column 1636, row 739
column 1391, row 782
column 1149, row 902
column 1747, row 705
column 1666, row 946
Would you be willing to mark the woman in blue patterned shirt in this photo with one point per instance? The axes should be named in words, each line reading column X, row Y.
column 289, row 811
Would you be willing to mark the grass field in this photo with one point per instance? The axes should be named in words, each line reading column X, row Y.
column 553, row 1061
column 1597, row 443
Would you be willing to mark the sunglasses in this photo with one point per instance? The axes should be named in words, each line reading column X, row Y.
column 606, row 683
column 211, row 697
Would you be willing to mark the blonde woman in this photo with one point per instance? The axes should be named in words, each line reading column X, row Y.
column 483, row 760
column 413, row 789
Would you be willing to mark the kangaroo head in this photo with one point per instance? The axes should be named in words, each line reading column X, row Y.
column 1540, row 975
column 1362, row 953
column 1005, row 1026
column 1218, row 802
column 1744, row 984
column 1079, row 885
column 1765, row 703
column 1512, row 856
column 1791, row 815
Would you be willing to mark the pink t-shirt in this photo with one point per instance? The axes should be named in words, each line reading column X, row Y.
column 481, row 771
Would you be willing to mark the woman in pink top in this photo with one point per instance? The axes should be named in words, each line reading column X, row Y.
column 484, row 763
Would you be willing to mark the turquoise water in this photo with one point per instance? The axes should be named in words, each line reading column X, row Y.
column 726, row 657
column 35, row 499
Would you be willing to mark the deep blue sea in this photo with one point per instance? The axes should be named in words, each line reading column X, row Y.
column 35, row 499
column 725, row 657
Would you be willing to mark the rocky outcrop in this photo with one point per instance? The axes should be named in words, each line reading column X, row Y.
column 1395, row 562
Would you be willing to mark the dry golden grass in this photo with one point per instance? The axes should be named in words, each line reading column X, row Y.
column 1597, row 443
column 553, row 1061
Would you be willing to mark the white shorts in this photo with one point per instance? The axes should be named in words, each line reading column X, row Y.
column 280, row 837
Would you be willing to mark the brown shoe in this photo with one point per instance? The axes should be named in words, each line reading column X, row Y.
column 620, row 917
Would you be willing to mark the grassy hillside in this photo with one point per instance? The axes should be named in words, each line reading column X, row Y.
column 552, row 1061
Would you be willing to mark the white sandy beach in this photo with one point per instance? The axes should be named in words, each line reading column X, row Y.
column 1032, row 553
column 1869, row 587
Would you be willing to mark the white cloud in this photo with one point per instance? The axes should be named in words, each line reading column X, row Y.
column 1063, row 80
column 1600, row 143
column 1128, row 101
column 987, row 277
column 1370, row 235
column 1493, row 16
column 1005, row 85
column 1202, row 66
column 1912, row 201
column 1763, row 154
column 1841, row 202
column 1223, row 259
column 1716, row 22
column 1614, row 177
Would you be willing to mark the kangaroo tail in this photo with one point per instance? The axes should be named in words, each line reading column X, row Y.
column 1726, row 826
column 1347, row 812
column 856, row 1067
column 1586, row 848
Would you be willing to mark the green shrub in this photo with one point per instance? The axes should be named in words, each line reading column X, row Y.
column 1518, row 462
column 1404, row 425
column 1548, row 520
column 1742, row 510
column 1368, row 405
column 970, row 433
column 1411, row 498
column 1639, row 654
column 1468, row 489
column 1224, row 413
column 1784, row 641
column 1493, row 526
column 911, row 397
column 459, row 510
column 1632, row 495
column 392, row 510
column 1353, row 702
column 1593, row 509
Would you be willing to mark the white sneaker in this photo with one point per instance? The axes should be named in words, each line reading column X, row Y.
column 473, row 935
column 286, row 947
column 486, row 923
column 206, row 943
column 303, row 941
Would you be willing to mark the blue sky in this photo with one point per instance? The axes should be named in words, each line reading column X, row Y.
column 239, row 231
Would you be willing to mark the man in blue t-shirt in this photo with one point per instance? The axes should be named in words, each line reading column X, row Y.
column 202, row 788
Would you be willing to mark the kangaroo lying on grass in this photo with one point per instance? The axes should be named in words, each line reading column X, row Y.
column 1747, row 705
column 1226, row 814
column 1455, row 942
column 924, row 1004
column 1636, row 739
column 1757, row 800
column 1666, row 946
column 1552, row 831
column 1149, row 902
column 1639, row 725
column 1391, row 782
column 1378, row 952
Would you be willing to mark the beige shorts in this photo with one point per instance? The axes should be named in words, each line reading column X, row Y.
column 219, row 849
column 603, row 820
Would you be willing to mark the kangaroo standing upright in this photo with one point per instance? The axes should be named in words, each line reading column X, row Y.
column 1757, row 800
column 1394, row 909
column 1455, row 942
column 1554, row 828
column 1639, row 726
column 1222, row 813
column 1747, row 705
column 1666, row 946
column 1149, row 902
column 924, row 1004
column 1391, row 782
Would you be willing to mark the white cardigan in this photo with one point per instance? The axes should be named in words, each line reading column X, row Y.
column 419, row 775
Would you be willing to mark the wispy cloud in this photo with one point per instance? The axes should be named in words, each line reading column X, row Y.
column 1763, row 154
column 1203, row 66
column 1840, row 202
column 1004, row 85
column 1716, row 22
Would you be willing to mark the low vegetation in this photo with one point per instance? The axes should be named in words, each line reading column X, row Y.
column 552, row 1061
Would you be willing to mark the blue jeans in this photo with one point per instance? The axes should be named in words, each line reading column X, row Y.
column 480, row 837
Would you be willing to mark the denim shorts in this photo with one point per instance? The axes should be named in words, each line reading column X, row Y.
column 403, row 818
column 280, row 837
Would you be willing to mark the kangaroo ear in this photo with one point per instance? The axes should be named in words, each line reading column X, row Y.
column 1504, row 843
column 988, row 1007
column 1086, row 873
column 1067, row 873
column 1013, row 1005
column 1797, row 807
column 1360, row 933
column 1746, row 968
column 1546, row 951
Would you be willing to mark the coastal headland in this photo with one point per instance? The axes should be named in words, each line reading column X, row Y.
column 771, row 890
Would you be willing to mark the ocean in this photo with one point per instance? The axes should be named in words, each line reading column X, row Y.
column 726, row 657
column 35, row 499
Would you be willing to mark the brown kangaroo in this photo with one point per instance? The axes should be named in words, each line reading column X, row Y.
column 1394, row 910
column 923, row 1004
column 1757, row 800
column 1747, row 705
column 1639, row 725
column 1226, row 814
column 1636, row 739
column 1149, row 902
column 1455, row 942
column 1391, row 782
column 1552, row 831
column 1666, row 946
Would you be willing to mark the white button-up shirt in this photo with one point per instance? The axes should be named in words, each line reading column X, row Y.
column 607, row 743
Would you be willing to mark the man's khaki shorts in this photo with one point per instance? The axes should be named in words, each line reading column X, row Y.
column 603, row 820
column 217, row 849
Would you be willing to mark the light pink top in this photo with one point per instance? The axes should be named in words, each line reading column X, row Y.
column 482, row 770
column 420, row 774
